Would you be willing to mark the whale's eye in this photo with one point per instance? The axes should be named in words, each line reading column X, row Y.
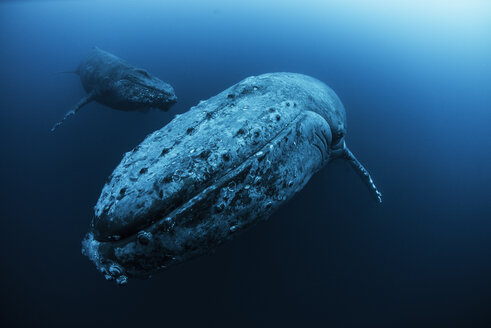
column 337, row 137
column 143, row 72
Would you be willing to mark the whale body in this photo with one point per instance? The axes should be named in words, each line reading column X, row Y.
column 113, row 82
column 214, row 171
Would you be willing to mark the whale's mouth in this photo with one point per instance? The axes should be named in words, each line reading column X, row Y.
column 156, row 87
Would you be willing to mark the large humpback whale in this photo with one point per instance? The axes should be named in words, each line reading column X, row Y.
column 212, row 172
column 113, row 82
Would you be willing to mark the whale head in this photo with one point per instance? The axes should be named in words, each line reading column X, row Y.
column 139, row 90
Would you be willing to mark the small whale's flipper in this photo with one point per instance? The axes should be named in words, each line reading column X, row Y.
column 85, row 100
column 362, row 172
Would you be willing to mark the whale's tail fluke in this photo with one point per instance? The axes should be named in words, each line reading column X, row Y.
column 85, row 100
column 362, row 172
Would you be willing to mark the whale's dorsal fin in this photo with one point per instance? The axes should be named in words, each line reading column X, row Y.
column 84, row 101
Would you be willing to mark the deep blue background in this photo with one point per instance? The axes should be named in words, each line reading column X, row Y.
column 415, row 78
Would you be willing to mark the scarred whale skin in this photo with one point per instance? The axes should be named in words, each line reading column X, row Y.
column 221, row 167
column 115, row 83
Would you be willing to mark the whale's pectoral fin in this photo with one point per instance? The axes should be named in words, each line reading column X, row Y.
column 85, row 100
column 362, row 172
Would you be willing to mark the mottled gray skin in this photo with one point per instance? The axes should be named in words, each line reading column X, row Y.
column 221, row 167
column 113, row 82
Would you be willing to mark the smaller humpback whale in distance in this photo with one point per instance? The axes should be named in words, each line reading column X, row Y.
column 113, row 82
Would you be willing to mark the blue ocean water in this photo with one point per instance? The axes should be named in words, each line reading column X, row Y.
column 415, row 78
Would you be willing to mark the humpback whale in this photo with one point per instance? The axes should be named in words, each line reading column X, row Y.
column 113, row 82
column 215, row 171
